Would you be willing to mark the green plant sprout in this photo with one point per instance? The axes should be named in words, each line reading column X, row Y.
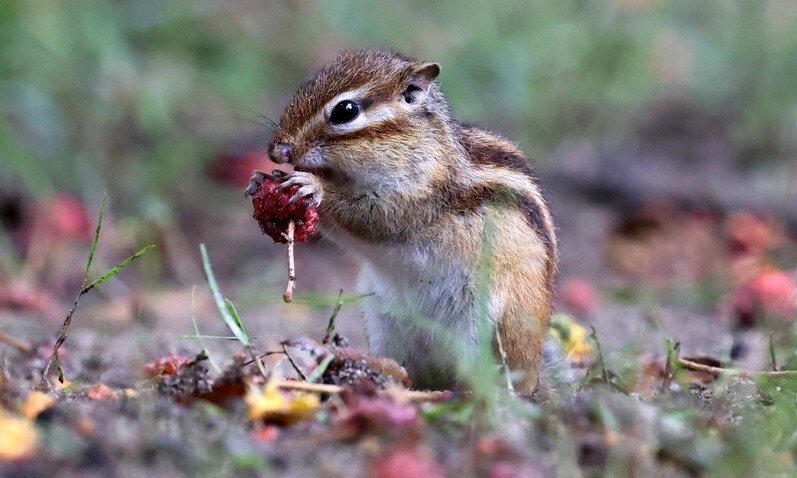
column 84, row 289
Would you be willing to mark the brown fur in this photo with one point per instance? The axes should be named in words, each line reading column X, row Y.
column 415, row 178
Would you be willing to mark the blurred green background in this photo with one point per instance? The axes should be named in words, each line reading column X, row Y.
column 138, row 96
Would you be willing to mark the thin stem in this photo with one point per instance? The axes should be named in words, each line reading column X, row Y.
column 331, row 324
column 295, row 366
column 288, row 295
column 594, row 336
column 772, row 361
column 699, row 367
column 18, row 344
column 504, row 363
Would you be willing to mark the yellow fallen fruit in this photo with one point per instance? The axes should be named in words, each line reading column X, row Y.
column 18, row 437
column 36, row 403
column 271, row 405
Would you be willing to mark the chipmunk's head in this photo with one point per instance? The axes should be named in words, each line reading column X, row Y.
column 370, row 117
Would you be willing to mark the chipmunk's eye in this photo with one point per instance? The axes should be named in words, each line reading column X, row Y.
column 344, row 112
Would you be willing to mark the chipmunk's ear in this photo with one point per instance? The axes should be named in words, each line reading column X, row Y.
column 421, row 78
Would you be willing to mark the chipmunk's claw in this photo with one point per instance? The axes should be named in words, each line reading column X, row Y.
column 255, row 182
column 309, row 188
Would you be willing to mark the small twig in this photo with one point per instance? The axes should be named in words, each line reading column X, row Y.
column 716, row 371
column 261, row 356
column 594, row 335
column 772, row 361
column 504, row 363
column 288, row 295
column 410, row 395
column 295, row 367
column 256, row 358
column 331, row 324
column 18, row 344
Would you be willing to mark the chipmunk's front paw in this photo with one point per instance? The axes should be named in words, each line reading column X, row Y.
column 309, row 188
column 255, row 182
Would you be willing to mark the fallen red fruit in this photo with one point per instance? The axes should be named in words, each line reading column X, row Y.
column 273, row 212
column 772, row 293
column 578, row 296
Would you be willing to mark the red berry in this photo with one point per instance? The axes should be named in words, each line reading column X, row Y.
column 273, row 212
column 771, row 293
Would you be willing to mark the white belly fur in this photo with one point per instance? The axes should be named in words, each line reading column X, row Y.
column 422, row 312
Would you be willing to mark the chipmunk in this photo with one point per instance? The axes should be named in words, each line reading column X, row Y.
column 446, row 221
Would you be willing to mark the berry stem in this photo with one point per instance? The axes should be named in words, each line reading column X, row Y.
column 288, row 295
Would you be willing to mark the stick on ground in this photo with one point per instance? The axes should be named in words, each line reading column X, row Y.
column 410, row 395
column 716, row 371
column 18, row 344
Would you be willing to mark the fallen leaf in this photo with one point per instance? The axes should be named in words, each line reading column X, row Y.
column 36, row 403
column 166, row 365
column 18, row 438
column 271, row 405
column 101, row 392
column 573, row 338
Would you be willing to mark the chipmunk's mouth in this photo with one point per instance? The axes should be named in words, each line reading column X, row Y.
column 323, row 172
column 313, row 162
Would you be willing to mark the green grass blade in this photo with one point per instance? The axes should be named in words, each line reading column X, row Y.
column 199, row 336
column 234, row 313
column 115, row 270
column 96, row 238
column 320, row 369
column 231, row 322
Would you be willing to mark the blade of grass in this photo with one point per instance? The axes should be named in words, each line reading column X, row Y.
column 320, row 369
column 231, row 322
column 234, row 313
column 96, row 238
column 54, row 358
column 331, row 324
column 115, row 270
column 199, row 335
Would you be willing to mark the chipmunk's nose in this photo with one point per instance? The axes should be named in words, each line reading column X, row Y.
column 282, row 153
